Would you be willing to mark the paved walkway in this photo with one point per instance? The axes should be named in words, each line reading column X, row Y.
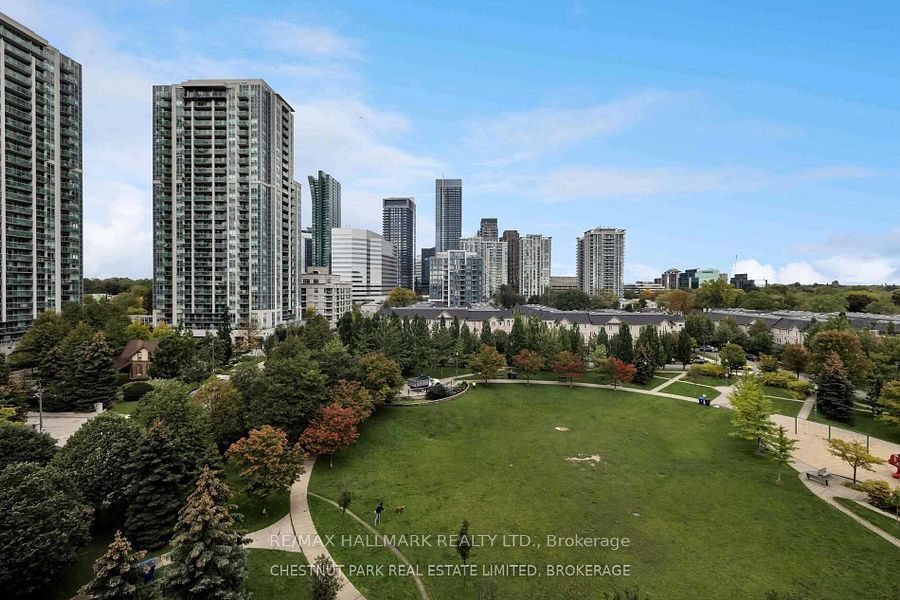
column 297, row 533
column 61, row 425
column 807, row 407
column 670, row 381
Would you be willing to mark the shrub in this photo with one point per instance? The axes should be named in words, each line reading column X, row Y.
column 707, row 370
column 439, row 391
column 800, row 389
column 879, row 493
column 135, row 390
column 768, row 363
column 779, row 379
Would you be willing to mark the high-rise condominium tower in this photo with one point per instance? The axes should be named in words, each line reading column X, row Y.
column 456, row 278
column 600, row 260
column 488, row 228
column 494, row 257
column 226, row 208
column 399, row 228
column 326, row 215
column 511, row 237
column 534, row 264
column 447, row 214
column 40, row 179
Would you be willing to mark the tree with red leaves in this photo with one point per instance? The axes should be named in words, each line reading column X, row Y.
column 335, row 428
column 618, row 371
column 266, row 462
column 352, row 394
column 568, row 365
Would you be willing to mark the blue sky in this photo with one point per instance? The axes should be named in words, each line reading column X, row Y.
column 706, row 129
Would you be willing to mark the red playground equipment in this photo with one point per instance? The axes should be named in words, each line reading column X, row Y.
column 895, row 461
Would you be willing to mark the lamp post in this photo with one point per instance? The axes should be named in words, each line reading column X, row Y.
column 40, row 395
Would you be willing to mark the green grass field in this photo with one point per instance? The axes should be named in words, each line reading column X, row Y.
column 124, row 408
column 863, row 422
column 777, row 392
column 879, row 520
column 702, row 512
column 682, row 388
column 277, row 575
column 277, row 504
column 783, row 406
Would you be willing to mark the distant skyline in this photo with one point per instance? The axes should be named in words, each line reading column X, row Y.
column 769, row 131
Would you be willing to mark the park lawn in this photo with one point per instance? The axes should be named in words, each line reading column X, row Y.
column 683, row 388
column 668, row 374
column 777, row 392
column 705, row 380
column 444, row 372
column 864, row 423
column 124, row 408
column 783, row 406
column 670, row 479
column 883, row 522
column 277, row 504
column 362, row 550
column 280, row 584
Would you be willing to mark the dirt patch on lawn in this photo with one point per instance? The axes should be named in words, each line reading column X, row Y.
column 561, row 428
column 593, row 459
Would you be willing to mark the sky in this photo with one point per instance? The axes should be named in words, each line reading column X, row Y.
column 765, row 133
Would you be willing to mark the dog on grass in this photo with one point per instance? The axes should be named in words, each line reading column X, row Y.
column 399, row 510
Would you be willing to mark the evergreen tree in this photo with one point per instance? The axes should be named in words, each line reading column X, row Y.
column 325, row 583
column 91, row 375
column 834, row 393
column 51, row 377
column 517, row 339
column 155, row 471
column 645, row 365
column 19, row 443
column 603, row 340
column 117, row 575
column 684, row 348
column 224, row 334
column 486, row 337
column 621, row 345
column 208, row 556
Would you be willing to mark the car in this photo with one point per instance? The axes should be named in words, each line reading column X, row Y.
column 751, row 357
column 698, row 360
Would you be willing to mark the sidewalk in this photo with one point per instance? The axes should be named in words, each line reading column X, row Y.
column 296, row 532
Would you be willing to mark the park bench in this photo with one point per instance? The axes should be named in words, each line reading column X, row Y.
column 822, row 476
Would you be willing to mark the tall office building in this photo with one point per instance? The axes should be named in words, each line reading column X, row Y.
column 534, row 264
column 493, row 254
column 600, row 260
column 669, row 279
column 511, row 237
column 40, row 179
column 456, row 278
column 488, row 229
column 399, row 228
column 226, row 208
column 366, row 260
column 425, row 266
column 513, row 254
column 326, row 215
column 447, row 214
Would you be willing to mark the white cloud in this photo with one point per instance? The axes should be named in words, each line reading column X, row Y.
column 849, row 269
column 308, row 40
column 793, row 272
column 516, row 136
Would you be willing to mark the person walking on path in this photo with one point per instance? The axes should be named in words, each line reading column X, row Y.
column 378, row 510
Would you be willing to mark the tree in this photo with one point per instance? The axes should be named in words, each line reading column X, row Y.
column 568, row 365
column 381, row 376
column 700, row 327
column 857, row 301
column 684, row 348
column 486, row 363
column 265, row 462
column 732, row 357
column 344, row 499
column 645, row 367
column 781, row 449
column 616, row 370
column 352, row 395
column 528, row 363
column 96, row 456
column 91, row 374
column 621, row 345
column 717, row 293
column 155, row 470
column 177, row 352
column 325, row 584
column 464, row 542
column 46, row 332
column 223, row 332
column 752, row 410
column 117, row 575
column 400, row 296
column 333, row 430
column 20, row 443
column 889, row 403
column 486, row 337
column 854, row 454
column 186, row 422
column 43, row 521
column 225, row 408
column 678, row 301
column 208, row 555
column 795, row 357
column 846, row 344
column 507, row 297
column 834, row 393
